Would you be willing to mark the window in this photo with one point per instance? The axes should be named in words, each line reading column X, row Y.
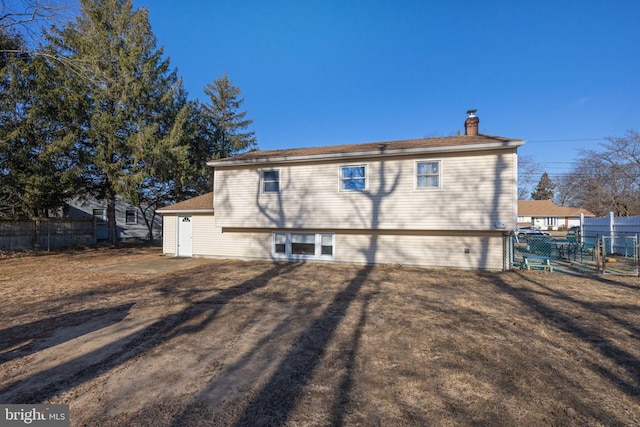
column 98, row 214
column 428, row 175
column 353, row 178
column 303, row 245
column 551, row 221
column 130, row 216
column 270, row 181
column 326, row 241
column 280, row 243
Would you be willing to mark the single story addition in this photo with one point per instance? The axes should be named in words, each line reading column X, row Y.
column 431, row 202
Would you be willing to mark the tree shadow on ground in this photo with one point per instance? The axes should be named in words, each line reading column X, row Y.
column 565, row 322
column 23, row 340
column 277, row 399
column 85, row 368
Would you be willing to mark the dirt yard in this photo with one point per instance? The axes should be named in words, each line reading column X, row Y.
column 166, row 342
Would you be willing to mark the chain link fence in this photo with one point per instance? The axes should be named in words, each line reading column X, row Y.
column 598, row 253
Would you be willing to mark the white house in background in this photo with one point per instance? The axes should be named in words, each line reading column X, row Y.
column 433, row 202
column 546, row 215
column 129, row 220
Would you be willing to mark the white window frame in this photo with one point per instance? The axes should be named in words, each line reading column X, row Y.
column 366, row 177
column 415, row 175
column 551, row 221
column 135, row 216
column 317, row 246
column 262, row 180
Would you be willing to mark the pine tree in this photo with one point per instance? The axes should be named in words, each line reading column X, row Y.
column 37, row 156
column 544, row 189
column 221, row 130
column 135, row 98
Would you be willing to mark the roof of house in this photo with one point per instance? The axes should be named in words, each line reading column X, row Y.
column 202, row 203
column 423, row 145
column 548, row 208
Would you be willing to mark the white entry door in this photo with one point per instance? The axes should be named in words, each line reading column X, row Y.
column 185, row 236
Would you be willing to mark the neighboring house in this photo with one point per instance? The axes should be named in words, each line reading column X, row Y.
column 129, row 220
column 546, row 215
column 434, row 202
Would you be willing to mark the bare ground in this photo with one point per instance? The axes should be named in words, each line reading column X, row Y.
column 210, row 342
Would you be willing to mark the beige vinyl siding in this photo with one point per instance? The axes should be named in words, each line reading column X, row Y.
column 209, row 240
column 169, row 234
column 478, row 189
column 204, row 235
column 425, row 249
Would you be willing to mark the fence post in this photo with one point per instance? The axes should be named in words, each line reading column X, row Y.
column 612, row 231
column 36, row 234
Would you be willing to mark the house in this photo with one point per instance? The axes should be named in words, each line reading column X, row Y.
column 178, row 227
column 129, row 221
column 433, row 202
column 546, row 215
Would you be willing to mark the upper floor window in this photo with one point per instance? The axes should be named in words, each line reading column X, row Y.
column 428, row 175
column 353, row 178
column 270, row 180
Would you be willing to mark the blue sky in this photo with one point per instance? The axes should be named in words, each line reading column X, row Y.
column 559, row 74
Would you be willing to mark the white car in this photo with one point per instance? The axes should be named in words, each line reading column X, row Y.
column 532, row 232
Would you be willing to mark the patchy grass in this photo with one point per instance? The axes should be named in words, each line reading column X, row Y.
column 258, row 343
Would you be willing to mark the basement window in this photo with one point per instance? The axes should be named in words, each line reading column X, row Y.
column 298, row 246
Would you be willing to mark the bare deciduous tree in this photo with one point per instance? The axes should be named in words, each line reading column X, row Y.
column 528, row 173
column 608, row 180
column 29, row 15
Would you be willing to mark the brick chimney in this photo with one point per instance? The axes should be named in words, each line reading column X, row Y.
column 471, row 124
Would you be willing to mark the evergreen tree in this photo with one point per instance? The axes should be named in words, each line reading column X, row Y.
column 544, row 189
column 221, row 130
column 37, row 155
column 135, row 98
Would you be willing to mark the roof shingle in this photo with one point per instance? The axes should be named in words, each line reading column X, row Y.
column 371, row 147
column 200, row 203
column 548, row 208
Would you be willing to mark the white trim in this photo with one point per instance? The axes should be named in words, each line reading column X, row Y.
column 362, row 154
column 352, row 165
column 185, row 211
column 440, row 186
column 298, row 257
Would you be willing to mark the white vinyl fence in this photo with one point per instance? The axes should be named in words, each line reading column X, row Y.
column 620, row 231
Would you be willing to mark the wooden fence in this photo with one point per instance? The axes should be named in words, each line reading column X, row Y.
column 46, row 233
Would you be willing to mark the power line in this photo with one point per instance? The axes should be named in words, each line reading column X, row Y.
column 565, row 140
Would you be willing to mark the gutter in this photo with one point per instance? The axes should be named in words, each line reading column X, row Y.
column 377, row 153
column 185, row 211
